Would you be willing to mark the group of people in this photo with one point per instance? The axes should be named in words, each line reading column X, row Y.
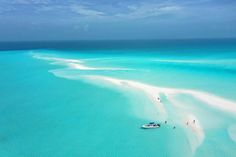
column 173, row 126
column 193, row 122
column 159, row 100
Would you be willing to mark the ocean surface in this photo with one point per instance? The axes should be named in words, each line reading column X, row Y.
column 89, row 98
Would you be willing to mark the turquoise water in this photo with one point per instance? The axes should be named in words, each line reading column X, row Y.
column 66, row 103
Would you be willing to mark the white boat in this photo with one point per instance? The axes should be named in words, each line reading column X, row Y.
column 151, row 125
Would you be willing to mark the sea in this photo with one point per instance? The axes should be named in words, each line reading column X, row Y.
column 91, row 98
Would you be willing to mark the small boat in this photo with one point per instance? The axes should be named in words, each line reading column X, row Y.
column 151, row 125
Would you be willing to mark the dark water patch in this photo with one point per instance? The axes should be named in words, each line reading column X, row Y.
column 161, row 45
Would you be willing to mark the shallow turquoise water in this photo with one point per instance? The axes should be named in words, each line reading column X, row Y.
column 48, row 108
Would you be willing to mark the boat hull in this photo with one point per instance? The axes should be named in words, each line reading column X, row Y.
column 150, row 127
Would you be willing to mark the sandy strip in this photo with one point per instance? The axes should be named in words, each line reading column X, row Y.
column 153, row 92
column 82, row 67
column 73, row 63
column 212, row 100
column 55, row 59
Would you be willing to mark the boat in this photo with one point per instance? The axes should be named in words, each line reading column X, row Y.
column 151, row 125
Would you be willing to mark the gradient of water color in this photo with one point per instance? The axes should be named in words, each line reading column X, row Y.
column 67, row 103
